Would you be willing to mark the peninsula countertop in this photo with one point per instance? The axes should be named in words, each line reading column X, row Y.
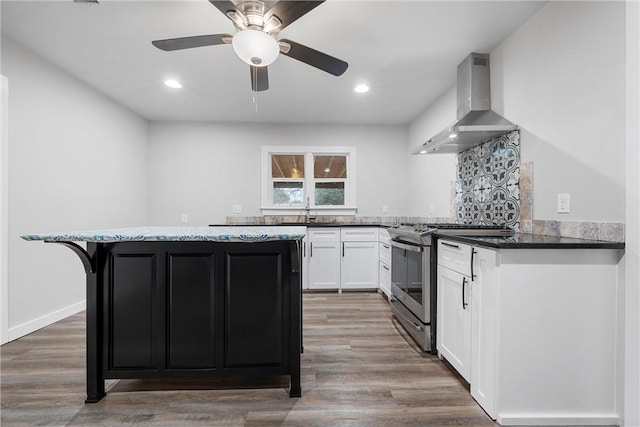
column 163, row 234
column 535, row 241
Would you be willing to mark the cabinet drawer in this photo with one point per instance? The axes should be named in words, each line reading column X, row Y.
column 455, row 256
column 385, row 252
column 324, row 234
column 384, row 274
column 359, row 234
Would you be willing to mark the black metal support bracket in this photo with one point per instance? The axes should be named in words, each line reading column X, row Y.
column 87, row 262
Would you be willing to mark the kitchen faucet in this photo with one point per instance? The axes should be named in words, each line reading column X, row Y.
column 307, row 208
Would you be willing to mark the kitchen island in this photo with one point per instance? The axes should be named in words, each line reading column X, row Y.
column 175, row 302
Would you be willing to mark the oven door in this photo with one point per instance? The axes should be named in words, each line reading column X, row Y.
column 411, row 278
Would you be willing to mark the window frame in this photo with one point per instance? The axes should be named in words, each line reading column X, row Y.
column 309, row 180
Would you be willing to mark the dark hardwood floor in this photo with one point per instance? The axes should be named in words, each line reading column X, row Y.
column 359, row 368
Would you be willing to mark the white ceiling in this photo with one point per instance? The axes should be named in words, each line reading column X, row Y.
column 407, row 51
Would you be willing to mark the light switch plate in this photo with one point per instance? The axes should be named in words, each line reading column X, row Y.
column 237, row 208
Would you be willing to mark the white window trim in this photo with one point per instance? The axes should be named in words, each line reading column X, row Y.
column 350, row 188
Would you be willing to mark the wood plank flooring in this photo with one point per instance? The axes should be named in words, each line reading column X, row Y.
column 359, row 368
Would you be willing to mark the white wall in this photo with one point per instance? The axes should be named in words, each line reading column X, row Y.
column 430, row 175
column 561, row 78
column 631, row 297
column 77, row 160
column 202, row 169
column 4, row 211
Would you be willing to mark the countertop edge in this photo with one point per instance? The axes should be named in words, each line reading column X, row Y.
column 561, row 243
column 240, row 234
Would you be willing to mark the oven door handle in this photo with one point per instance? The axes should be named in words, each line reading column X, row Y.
column 405, row 246
column 419, row 328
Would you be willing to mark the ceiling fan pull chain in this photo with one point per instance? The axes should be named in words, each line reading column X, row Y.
column 255, row 93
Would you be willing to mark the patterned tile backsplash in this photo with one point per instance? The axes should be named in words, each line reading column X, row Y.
column 488, row 183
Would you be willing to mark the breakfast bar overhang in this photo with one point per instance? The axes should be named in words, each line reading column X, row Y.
column 175, row 302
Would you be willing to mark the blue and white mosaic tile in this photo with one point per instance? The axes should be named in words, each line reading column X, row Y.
column 487, row 183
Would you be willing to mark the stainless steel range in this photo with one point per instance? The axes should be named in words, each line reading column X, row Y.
column 413, row 273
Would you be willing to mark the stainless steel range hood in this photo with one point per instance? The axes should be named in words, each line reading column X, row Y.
column 476, row 122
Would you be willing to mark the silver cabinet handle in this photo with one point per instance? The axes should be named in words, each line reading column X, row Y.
column 473, row 251
column 464, row 304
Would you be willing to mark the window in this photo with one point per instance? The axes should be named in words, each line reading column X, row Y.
column 321, row 179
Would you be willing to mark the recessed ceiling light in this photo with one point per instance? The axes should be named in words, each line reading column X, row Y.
column 361, row 88
column 173, row 84
column 423, row 151
column 453, row 135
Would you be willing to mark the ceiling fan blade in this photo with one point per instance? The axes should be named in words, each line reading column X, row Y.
column 224, row 6
column 315, row 58
column 288, row 12
column 259, row 78
column 189, row 42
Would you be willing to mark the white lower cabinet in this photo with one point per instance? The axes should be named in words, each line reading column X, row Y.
column 454, row 320
column 342, row 258
column 360, row 259
column 324, row 258
column 384, row 270
column 484, row 303
column 305, row 262
column 466, row 336
column 359, row 269
column 533, row 331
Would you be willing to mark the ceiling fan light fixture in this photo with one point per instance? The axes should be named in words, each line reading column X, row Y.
column 255, row 47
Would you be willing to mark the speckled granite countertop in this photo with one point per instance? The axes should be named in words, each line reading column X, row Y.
column 535, row 241
column 163, row 234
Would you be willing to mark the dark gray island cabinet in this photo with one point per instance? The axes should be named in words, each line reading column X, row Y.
column 190, row 302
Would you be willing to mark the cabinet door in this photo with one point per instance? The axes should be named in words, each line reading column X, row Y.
column 454, row 320
column 256, row 311
column 133, row 306
column 484, row 300
column 305, row 262
column 324, row 265
column 385, row 278
column 360, row 265
column 191, row 294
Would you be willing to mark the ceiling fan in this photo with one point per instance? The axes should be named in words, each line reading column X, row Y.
column 258, row 24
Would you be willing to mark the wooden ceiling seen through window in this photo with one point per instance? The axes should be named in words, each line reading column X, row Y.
column 324, row 166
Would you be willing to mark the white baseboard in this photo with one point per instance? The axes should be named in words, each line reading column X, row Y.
column 46, row 320
column 568, row 419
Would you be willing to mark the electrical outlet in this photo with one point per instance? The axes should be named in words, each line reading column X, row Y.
column 184, row 218
column 237, row 208
column 564, row 203
column 385, row 208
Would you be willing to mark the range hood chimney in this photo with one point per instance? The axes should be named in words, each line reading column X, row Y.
column 476, row 122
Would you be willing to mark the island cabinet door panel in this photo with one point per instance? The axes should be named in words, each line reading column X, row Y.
column 134, row 319
column 256, row 317
column 192, row 299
